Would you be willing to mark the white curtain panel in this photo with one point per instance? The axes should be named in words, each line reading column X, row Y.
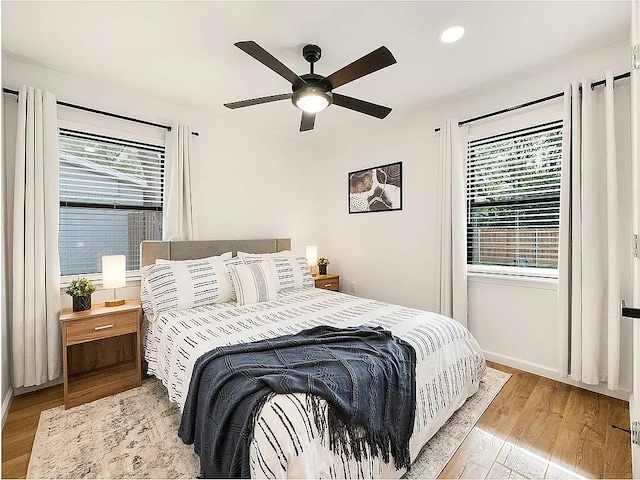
column 452, row 245
column 177, row 217
column 588, row 276
column 35, row 342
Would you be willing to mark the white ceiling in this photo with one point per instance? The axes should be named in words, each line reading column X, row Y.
column 183, row 52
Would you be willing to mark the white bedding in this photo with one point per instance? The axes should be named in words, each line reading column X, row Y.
column 449, row 367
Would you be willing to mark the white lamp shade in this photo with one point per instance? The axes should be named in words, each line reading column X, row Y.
column 114, row 271
column 312, row 255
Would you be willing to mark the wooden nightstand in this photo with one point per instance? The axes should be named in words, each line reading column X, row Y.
column 328, row 282
column 101, row 351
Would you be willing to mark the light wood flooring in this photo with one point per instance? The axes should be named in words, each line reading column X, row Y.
column 535, row 428
column 540, row 428
column 20, row 428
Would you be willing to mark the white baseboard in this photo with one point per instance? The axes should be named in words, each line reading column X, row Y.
column 553, row 374
column 6, row 405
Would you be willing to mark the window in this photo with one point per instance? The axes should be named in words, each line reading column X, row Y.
column 110, row 199
column 513, row 198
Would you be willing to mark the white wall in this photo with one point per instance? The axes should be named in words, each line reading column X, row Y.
column 391, row 256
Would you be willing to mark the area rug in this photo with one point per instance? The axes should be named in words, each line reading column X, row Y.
column 134, row 435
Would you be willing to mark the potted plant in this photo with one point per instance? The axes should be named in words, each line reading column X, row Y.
column 322, row 265
column 81, row 290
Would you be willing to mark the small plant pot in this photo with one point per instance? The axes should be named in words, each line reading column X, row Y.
column 322, row 269
column 80, row 304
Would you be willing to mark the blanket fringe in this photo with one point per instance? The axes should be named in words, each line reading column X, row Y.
column 353, row 441
column 248, row 434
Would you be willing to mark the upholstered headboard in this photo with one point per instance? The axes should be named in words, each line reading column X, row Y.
column 150, row 251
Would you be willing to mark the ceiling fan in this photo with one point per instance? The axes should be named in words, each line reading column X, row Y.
column 313, row 93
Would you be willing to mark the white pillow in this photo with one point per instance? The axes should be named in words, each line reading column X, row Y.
column 292, row 273
column 284, row 253
column 254, row 283
column 186, row 284
column 224, row 256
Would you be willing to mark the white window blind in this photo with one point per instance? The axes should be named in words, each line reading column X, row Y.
column 110, row 199
column 513, row 197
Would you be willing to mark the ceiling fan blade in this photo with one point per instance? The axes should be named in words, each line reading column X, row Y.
column 361, row 106
column 257, row 101
column 308, row 121
column 370, row 63
column 264, row 57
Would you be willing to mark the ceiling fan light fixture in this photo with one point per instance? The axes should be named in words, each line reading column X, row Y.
column 311, row 92
column 312, row 99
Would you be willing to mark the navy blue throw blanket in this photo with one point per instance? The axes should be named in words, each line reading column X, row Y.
column 366, row 376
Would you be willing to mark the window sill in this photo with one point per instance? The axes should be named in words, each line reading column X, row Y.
column 522, row 281
column 526, row 272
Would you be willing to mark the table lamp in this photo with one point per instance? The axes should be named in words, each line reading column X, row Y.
column 114, row 275
column 312, row 258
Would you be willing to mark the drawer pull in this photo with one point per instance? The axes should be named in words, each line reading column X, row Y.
column 327, row 285
column 104, row 327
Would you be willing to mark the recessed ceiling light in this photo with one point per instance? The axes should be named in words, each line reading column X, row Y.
column 452, row 34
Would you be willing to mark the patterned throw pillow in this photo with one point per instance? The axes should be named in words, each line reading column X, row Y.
column 291, row 272
column 254, row 283
column 228, row 263
column 186, row 284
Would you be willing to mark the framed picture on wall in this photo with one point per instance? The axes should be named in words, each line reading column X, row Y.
column 376, row 189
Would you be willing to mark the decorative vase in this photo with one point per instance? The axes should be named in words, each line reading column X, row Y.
column 80, row 304
column 322, row 269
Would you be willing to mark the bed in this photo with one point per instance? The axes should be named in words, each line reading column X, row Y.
column 286, row 443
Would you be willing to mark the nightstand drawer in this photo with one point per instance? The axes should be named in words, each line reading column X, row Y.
column 79, row 331
column 329, row 284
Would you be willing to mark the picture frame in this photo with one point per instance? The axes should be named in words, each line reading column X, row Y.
column 375, row 189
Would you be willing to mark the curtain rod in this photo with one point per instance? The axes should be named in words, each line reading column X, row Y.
column 533, row 102
column 101, row 112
